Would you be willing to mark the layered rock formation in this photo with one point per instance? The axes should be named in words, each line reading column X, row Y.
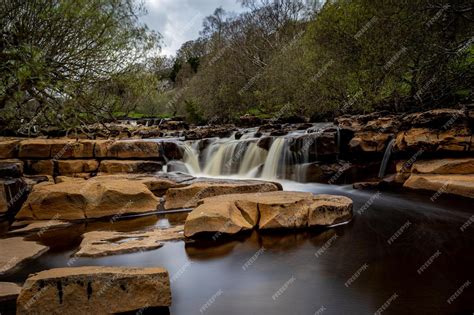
column 94, row 290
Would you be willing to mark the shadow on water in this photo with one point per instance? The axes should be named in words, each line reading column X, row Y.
column 375, row 259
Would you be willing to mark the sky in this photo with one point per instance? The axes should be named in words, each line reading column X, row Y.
column 181, row 20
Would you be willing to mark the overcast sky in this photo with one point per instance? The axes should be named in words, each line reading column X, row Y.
column 181, row 20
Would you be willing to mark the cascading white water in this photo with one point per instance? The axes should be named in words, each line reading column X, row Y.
column 272, row 165
column 253, row 158
column 386, row 158
column 191, row 159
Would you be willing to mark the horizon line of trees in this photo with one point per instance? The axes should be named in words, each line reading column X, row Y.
column 70, row 63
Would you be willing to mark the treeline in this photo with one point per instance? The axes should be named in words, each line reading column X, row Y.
column 285, row 58
column 70, row 63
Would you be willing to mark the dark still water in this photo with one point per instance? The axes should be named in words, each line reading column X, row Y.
column 402, row 254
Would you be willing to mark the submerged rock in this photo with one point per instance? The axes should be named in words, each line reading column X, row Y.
column 231, row 214
column 87, row 199
column 104, row 243
column 94, row 290
column 189, row 196
column 44, row 225
column 14, row 251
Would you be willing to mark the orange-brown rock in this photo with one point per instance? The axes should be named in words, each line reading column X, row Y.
column 128, row 149
column 87, row 199
column 66, row 167
column 462, row 185
column 8, row 148
column 129, row 166
column 233, row 213
column 189, row 196
column 369, row 141
column 16, row 250
column 39, row 167
column 94, row 290
column 445, row 166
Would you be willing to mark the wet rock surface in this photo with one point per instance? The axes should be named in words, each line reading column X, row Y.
column 104, row 243
column 94, row 290
column 16, row 250
column 231, row 214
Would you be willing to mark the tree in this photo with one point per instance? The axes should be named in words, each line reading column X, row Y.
column 54, row 52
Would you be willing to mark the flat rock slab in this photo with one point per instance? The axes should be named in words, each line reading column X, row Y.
column 233, row 213
column 104, row 243
column 94, row 290
column 9, row 291
column 15, row 250
column 40, row 226
column 189, row 196
column 461, row 185
column 444, row 166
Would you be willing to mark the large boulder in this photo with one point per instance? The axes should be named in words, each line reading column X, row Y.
column 15, row 251
column 129, row 166
column 189, row 196
column 462, row 185
column 444, row 166
column 234, row 213
column 94, row 290
column 455, row 139
column 369, row 141
column 90, row 199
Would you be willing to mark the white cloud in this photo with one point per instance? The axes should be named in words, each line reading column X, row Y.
column 181, row 20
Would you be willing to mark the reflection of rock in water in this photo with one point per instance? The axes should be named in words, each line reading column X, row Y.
column 321, row 237
column 280, row 241
column 123, row 224
column 206, row 249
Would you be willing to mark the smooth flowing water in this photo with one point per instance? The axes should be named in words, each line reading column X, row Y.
column 356, row 268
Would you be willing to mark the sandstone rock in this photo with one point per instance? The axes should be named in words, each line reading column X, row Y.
column 188, row 196
column 9, row 291
column 316, row 144
column 132, row 166
column 8, row 148
column 77, row 166
column 68, row 149
column 436, row 118
column 35, row 148
column 63, row 179
column 94, row 290
column 89, row 199
column 444, row 166
column 11, row 168
column 158, row 184
column 128, row 149
column 462, row 185
column 327, row 210
column 429, row 140
column 265, row 143
column 34, row 226
column 209, row 132
column 231, row 214
column 39, row 167
column 104, row 243
column 369, row 141
column 14, row 251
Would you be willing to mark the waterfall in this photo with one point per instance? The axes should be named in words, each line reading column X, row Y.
column 253, row 158
column 338, row 141
column 226, row 158
column 386, row 158
column 272, row 167
column 191, row 159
